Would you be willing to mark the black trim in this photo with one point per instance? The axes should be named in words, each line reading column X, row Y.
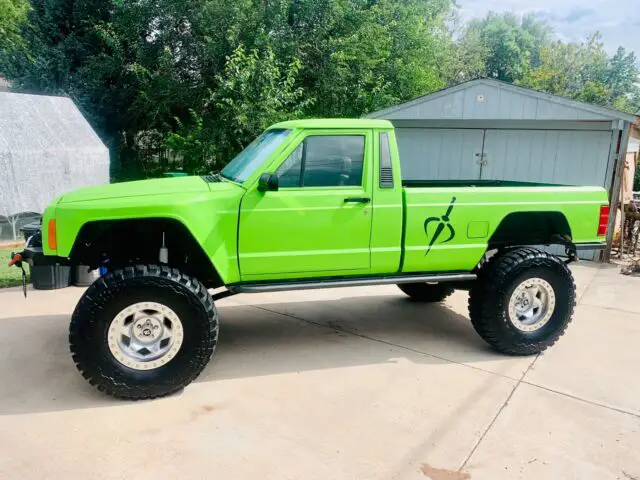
column 475, row 183
column 403, row 235
column 591, row 246
column 531, row 228
column 329, row 282
column 303, row 162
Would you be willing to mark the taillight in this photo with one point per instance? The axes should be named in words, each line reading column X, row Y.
column 51, row 235
column 604, row 220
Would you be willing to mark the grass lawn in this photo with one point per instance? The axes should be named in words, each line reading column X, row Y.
column 10, row 276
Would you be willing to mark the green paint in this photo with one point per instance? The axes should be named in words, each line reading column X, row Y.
column 311, row 231
column 478, row 230
column 208, row 210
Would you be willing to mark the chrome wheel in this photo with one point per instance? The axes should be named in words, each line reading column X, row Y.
column 531, row 304
column 145, row 335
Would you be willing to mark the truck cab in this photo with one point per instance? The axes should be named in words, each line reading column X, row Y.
column 309, row 210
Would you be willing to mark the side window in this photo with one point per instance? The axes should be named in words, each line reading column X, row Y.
column 289, row 171
column 324, row 161
column 333, row 161
column 386, row 171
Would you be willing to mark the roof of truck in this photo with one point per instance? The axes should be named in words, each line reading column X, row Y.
column 334, row 123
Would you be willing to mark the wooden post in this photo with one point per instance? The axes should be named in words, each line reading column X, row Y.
column 622, row 204
column 623, row 143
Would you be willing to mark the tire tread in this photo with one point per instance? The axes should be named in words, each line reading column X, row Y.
column 104, row 289
column 487, row 298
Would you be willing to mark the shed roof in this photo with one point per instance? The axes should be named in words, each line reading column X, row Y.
column 47, row 148
column 489, row 99
column 43, row 123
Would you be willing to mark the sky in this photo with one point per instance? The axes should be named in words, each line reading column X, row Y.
column 573, row 20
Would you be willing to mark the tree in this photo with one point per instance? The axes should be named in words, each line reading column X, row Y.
column 622, row 80
column 190, row 82
column 583, row 71
column 13, row 15
column 512, row 44
column 201, row 77
column 132, row 67
column 464, row 59
column 387, row 54
column 316, row 58
column 254, row 91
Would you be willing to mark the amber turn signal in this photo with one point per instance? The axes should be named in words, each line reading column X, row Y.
column 51, row 235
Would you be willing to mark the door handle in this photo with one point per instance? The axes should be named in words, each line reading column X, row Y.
column 357, row 200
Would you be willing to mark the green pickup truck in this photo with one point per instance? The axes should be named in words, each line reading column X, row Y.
column 309, row 204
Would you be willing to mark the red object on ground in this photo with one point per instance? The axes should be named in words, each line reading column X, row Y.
column 16, row 258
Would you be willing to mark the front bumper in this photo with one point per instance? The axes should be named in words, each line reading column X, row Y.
column 33, row 253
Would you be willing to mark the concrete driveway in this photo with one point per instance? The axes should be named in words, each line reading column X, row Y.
column 353, row 383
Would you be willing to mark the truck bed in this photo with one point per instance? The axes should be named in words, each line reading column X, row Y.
column 448, row 226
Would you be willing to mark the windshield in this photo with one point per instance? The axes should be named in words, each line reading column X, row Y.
column 241, row 167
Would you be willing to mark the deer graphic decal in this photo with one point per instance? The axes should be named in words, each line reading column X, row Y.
column 443, row 223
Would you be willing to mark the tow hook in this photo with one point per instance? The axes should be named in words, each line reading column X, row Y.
column 17, row 259
column 569, row 247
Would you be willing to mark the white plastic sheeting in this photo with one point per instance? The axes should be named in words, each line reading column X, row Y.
column 47, row 148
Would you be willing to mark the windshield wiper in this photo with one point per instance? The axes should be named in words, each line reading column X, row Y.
column 218, row 176
column 226, row 177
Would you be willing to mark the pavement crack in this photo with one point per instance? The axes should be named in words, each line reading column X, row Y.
column 611, row 309
column 580, row 399
column 495, row 417
column 599, row 268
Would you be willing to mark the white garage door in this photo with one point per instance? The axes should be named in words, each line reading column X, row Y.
column 546, row 156
column 574, row 157
column 439, row 154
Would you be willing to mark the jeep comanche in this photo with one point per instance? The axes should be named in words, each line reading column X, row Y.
column 309, row 204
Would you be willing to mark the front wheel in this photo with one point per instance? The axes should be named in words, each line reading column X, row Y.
column 143, row 332
column 522, row 301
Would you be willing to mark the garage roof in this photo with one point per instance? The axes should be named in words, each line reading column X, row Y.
column 488, row 99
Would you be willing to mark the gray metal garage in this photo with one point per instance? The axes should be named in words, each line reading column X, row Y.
column 489, row 130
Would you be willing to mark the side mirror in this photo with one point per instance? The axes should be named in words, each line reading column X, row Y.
column 268, row 182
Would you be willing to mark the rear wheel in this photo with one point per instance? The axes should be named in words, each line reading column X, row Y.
column 522, row 301
column 143, row 332
column 426, row 292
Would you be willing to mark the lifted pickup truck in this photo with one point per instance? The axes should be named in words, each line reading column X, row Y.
column 309, row 204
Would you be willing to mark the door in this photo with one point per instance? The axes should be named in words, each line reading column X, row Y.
column 440, row 154
column 318, row 222
column 569, row 157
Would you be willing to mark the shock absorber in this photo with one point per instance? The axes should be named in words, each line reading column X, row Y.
column 164, row 251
